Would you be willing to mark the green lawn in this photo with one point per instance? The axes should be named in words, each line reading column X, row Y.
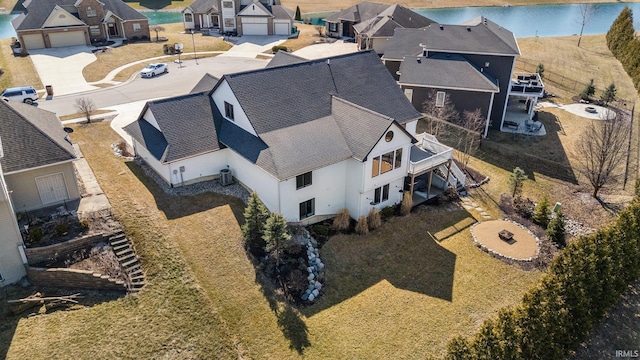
column 394, row 293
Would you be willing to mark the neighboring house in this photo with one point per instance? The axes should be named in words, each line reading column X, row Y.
column 57, row 23
column 309, row 137
column 244, row 17
column 11, row 264
column 470, row 65
column 372, row 24
column 38, row 157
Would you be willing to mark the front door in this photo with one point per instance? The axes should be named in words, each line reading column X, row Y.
column 113, row 29
column 215, row 21
column 52, row 188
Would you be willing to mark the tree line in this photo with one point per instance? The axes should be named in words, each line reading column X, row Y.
column 625, row 46
column 584, row 281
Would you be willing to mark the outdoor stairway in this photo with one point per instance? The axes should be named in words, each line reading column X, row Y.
column 127, row 257
column 457, row 178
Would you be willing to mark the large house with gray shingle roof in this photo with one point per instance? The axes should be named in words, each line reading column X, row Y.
column 38, row 157
column 309, row 137
column 372, row 24
column 469, row 65
column 57, row 23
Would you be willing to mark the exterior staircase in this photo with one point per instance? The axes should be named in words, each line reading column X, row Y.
column 129, row 261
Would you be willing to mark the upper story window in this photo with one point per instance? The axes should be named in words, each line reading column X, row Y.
column 228, row 110
column 303, row 180
column 94, row 30
column 188, row 17
column 227, row 4
column 440, row 98
column 91, row 11
column 386, row 162
column 136, row 27
column 389, row 136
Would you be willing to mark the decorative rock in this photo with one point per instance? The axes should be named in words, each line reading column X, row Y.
column 318, row 285
column 311, row 297
column 315, row 293
column 305, row 296
column 313, row 242
column 320, row 266
column 310, row 288
column 311, row 277
column 310, row 269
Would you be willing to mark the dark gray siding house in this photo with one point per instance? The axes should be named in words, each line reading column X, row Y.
column 472, row 63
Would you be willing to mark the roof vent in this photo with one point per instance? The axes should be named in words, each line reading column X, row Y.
column 419, row 60
column 441, row 27
column 328, row 61
column 468, row 28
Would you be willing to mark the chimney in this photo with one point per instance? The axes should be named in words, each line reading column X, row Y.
column 441, row 27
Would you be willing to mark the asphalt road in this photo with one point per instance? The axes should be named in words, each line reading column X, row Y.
column 179, row 81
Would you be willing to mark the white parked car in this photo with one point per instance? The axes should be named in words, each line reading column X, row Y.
column 25, row 94
column 154, row 69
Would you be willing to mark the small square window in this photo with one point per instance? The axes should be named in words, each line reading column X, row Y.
column 229, row 22
column 303, row 180
column 136, row 27
column 333, row 27
column 91, row 11
column 387, row 162
column 228, row 110
column 440, row 98
column 94, row 30
column 409, row 94
column 188, row 17
column 227, row 4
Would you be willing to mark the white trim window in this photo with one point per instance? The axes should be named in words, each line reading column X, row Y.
column 386, row 162
column 136, row 27
column 381, row 194
column 188, row 17
column 440, row 97
column 409, row 94
column 91, row 11
column 228, row 111
column 94, row 30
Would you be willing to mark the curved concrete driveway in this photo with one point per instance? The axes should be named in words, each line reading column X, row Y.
column 62, row 68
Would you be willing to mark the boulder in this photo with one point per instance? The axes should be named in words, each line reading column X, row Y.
column 311, row 297
column 318, row 285
column 315, row 293
column 305, row 296
column 311, row 277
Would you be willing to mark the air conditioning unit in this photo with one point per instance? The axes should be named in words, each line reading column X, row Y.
column 226, row 178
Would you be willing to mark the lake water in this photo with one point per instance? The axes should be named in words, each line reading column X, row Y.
column 523, row 21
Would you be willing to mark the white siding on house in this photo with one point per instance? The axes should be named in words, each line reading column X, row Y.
column 354, row 181
column 61, row 17
column 400, row 140
column 188, row 24
column 411, row 127
column 200, row 166
column 11, row 267
column 223, row 93
column 255, row 179
column 160, row 169
column 395, row 197
column 327, row 187
column 151, row 119
column 253, row 10
column 228, row 14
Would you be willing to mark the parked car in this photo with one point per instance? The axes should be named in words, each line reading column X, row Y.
column 154, row 69
column 25, row 94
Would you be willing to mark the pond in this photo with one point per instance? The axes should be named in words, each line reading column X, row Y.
column 528, row 21
column 6, row 29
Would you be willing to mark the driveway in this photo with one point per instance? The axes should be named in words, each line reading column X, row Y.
column 253, row 45
column 323, row 50
column 62, row 68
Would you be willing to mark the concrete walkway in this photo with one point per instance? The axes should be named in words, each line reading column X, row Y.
column 601, row 112
column 93, row 199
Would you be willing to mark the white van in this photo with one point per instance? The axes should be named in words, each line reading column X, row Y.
column 25, row 94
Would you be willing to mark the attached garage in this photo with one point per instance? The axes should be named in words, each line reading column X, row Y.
column 255, row 26
column 67, row 38
column 282, row 28
column 33, row 41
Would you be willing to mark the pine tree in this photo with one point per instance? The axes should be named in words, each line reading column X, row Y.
column 541, row 213
column 609, row 94
column 556, row 230
column 588, row 91
column 621, row 33
column 255, row 217
column 276, row 236
column 516, row 180
column 458, row 349
column 298, row 17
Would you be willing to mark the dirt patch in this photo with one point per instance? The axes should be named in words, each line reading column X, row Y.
column 98, row 258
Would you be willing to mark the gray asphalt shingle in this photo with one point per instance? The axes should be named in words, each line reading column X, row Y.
column 395, row 16
column 31, row 137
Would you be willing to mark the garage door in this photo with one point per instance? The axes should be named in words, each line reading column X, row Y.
column 52, row 188
column 33, row 41
column 67, row 38
column 254, row 29
column 282, row 29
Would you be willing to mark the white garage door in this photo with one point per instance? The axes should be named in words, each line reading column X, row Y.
column 282, row 29
column 52, row 188
column 33, row 41
column 67, row 38
column 254, row 29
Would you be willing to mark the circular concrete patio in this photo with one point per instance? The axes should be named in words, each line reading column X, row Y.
column 523, row 245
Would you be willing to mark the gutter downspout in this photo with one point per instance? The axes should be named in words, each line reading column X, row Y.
column 486, row 127
column 506, row 100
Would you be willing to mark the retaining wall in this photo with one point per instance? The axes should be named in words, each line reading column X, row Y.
column 73, row 278
column 53, row 252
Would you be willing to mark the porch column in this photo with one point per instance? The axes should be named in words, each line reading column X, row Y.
column 413, row 176
column 531, row 108
column 429, row 186
column 122, row 33
column 106, row 30
column 448, row 170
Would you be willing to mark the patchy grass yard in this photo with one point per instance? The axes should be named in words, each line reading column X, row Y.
column 144, row 50
column 393, row 294
column 18, row 71
column 308, row 36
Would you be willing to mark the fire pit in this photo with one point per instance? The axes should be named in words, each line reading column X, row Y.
column 505, row 235
column 590, row 109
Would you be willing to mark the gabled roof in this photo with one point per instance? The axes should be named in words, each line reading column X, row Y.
column 203, row 6
column 261, row 6
column 303, row 92
column 481, row 36
column 186, row 127
column 205, row 84
column 31, row 137
column 281, row 12
column 282, row 58
column 39, row 10
column 357, row 13
column 445, row 71
column 393, row 17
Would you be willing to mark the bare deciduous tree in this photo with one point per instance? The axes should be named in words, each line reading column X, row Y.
column 587, row 11
column 86, row 106
column 446, row 112
column 600, row 150
column 468, row 140
column 157, row 29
